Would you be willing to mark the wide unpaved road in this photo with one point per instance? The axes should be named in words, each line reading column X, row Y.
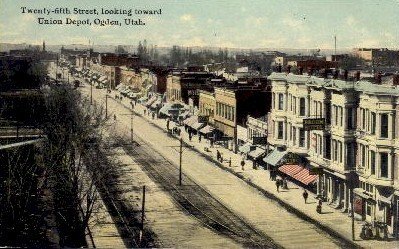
column 267, row 216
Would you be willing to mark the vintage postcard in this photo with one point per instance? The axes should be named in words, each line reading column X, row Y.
column 199, row 124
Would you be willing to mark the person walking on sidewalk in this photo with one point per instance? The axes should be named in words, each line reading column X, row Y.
column 278, row 183
column 242, row 165
column 190, row 135
column 230, row 162
column 218, row 155
column 305, row 195
column 199, row 138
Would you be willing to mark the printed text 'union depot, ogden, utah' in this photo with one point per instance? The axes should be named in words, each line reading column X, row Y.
column 43, row 16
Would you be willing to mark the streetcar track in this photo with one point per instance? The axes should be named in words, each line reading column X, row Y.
column 234, row 226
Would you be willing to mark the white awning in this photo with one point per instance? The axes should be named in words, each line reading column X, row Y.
column 242, row 133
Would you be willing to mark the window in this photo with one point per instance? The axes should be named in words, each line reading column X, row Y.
column 302, row 107
column 301, row 137
column 280, row 101
column 335, row 148
column 384, row 125
column 372, row 162
column 368, row 208
column 294, row 100
column 341, row 116
column 384, row 164
column 294, row 135
column 373, row 123
column 363, row 111
column 340, row 152
column 363, row 150
column 280, row 130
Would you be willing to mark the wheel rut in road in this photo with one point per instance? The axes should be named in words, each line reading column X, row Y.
column 194, row 199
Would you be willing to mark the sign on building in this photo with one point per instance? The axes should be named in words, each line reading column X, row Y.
column 292, row 158
column 203, row 119
column 314, row 124
column 316, row 171
column 259, row 140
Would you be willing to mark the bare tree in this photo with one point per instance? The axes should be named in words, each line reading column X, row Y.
column 72, row 124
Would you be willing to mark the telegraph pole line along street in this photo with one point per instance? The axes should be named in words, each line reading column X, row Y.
column 181, row 157
column 131, row 124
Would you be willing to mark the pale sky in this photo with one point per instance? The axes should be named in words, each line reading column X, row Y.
column 220, row 23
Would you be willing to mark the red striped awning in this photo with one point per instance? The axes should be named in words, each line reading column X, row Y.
column 290, row 169
column 304, row 177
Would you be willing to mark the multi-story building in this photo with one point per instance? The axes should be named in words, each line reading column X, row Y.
column 357, row 150
column 234, row 104
column 182, row 86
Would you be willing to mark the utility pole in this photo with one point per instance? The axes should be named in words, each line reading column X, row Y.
column 91, row 93
column 353, row 213
column 106, row 106
column 142, row 218
column 180, row 161
column 143, row 209
column 131, row 127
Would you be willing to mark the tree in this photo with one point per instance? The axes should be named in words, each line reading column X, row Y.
column 71, row 123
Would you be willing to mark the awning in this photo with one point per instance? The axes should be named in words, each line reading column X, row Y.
column 191, row 120
column 387, row 200
column 304, row 177
column 255, row 154
column 156, row 104
column 245, row 148
column 290, row 169
column 274, row 157
column 242, row 133
column 360, row 192
column 151, row 100
column 197, row 125
column 207, row 129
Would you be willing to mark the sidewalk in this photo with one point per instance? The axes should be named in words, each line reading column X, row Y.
column 331, row 220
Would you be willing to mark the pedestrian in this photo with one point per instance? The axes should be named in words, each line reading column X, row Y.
column 221, row 158
column 320, row 202
column 144, row 111
column 218, row 155
column 199, row 138
column 242, row 164
column 285, row 185
column 230, row 162
column 190, row 136
column 278, row 183
column 153, row 115
column 167, row 124
column 114, row 116
column 305, row 195
column 211, row 141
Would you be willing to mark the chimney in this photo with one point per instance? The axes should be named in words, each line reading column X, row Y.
column 396, row 79
column 357, row 77
column 289, row 69
column 300, row 70
column 378, row 78
column 346, row 75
